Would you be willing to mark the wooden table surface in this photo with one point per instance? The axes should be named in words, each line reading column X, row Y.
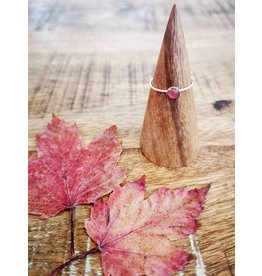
column 90, row 63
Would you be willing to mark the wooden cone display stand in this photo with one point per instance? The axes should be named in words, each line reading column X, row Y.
column 169, row 134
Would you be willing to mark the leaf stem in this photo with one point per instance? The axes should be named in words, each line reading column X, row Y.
column 78, row 257
column 72, row 243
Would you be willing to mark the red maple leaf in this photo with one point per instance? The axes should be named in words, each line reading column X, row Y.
column 133, row 234
column 66, row 173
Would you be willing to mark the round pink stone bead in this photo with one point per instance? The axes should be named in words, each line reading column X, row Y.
column 172, row 93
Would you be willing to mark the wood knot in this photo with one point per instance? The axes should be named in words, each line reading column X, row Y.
column 221, row 104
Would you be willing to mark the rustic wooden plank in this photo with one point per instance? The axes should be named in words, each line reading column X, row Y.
column 215, row 128
column 90, row 63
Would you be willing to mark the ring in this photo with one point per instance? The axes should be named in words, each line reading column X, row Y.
column 173, row 92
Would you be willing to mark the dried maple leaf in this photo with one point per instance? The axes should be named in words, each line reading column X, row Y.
column 66, row 173
column 133, row 234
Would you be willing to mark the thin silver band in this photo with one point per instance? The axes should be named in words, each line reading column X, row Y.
column 178, row 89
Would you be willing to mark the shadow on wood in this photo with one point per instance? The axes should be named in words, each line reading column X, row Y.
column 169, row 135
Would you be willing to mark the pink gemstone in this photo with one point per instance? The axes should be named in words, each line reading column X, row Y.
column 172, row 93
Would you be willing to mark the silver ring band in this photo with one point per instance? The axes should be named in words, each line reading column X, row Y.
column 173, row 87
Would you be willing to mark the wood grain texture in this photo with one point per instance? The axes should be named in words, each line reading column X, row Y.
column 90, row 63
column 169, row 134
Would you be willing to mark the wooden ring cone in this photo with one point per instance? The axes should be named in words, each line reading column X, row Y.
column 169, row 134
